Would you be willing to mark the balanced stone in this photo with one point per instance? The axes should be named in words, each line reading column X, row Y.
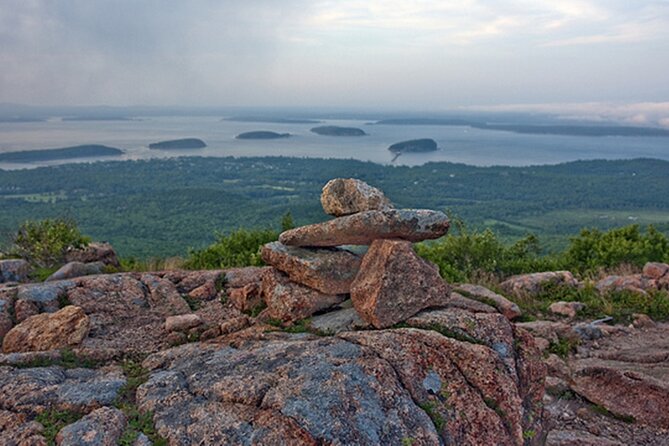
column 329, row 271
column 394, row 284
column 345, row 196
column 363, row 228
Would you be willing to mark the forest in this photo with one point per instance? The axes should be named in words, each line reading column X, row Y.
column 164, row 207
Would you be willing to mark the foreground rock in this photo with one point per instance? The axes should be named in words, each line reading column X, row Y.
column 345, row 196
column 289, row 301
column 402, row 386
column 102, row 427
column 363, row 228
column 531, row 285
column 509, row 309
column 76, row 269
column 394, row 284
column 330, row 271
column 94, row 252
column 628, row 374
column 14, row 270
column 65, row 328
column 34, row 390
column 620, row 382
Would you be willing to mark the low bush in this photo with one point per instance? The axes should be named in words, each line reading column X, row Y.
column 44, row 243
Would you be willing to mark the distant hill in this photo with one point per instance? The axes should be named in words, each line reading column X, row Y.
column 333, row 130
column 84, row 151
column 175, row 144
column 97, row 118
column 270, row 120
column 535, row 129
column 262, row 134
column 414, row 145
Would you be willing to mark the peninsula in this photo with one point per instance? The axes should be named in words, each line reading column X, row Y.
column 84, row 151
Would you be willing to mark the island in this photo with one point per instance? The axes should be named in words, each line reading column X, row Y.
column 270, row 120
column 333, row 130
column 177, row 144
column 262, row 134
column 84, row 151
column 414, row 146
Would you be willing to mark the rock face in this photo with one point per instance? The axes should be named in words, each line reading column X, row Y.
column 182, row 322
column 102, row 427
column 568, row 309
column 65, row 328
column 14, row 270
column 363, row 228
column 94, row 252
column 289, row 301
column 345, row 196
column 76, row 269
column 330, row 271
column 394, row 284
column 402, row 386
column 34, row 390
column 533, row 284
column 509, row 309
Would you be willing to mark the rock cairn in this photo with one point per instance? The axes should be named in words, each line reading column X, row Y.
column 315, row 268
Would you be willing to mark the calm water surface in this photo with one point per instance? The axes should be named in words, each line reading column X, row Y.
column 457, row 144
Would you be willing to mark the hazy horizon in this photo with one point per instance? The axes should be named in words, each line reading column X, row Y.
column 586, row 59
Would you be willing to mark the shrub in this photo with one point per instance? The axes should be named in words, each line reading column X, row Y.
column 240, row 248
column 592, row 249
column 464, row 254
column 44, row 243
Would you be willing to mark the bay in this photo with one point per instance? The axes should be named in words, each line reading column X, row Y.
column 458, row 144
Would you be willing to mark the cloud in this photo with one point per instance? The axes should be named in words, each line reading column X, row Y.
column 373, row 52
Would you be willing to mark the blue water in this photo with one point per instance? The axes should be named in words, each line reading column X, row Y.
column 457, row 144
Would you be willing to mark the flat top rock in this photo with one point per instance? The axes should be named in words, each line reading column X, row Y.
column 329, row 271
column 414, row 225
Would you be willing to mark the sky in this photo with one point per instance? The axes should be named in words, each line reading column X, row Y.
column 584, row 55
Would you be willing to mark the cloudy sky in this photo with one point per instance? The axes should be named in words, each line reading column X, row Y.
column 378, row 53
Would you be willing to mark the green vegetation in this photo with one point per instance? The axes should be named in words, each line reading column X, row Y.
column 465, row 254
column 604, row 411
column 160, row 208
column 138, row 421
column 594, row 249
column 431, row 409
column 54, row 420
column 67, row 359
column 44, row 243
column 563, row 347
column 240, row 248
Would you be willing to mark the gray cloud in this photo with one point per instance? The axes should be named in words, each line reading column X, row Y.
column 298, row 52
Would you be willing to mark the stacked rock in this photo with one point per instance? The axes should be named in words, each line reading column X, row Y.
column 313, row 270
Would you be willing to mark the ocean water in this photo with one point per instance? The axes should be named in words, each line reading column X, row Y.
column 456, row 144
